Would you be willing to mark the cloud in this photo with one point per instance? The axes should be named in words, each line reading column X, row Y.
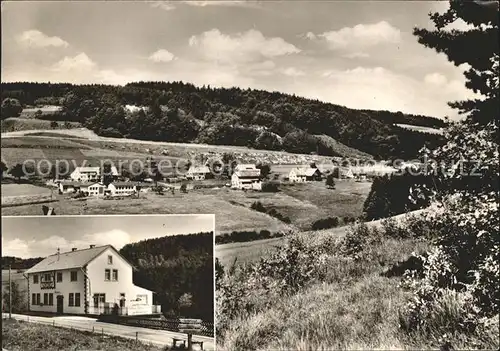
column 164, row 5
column 359, row 36
column 37, row 39
column 379, row 88
column 161, row 55
column 232, row 3
column 172, row 5
column 15, row 247
column 293, row 72
column 249, row 46
column 435, row 79
column 80, row 62
column 34, row 248
column 353, row 55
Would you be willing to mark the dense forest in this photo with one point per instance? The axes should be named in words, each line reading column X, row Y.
column 180, row 270
column 180, row 112
column 17, row 263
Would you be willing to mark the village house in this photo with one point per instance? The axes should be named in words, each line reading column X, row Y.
column 198, row 173
column 122, row 188
column 90, row 174
column 246, row 177
column 66, row 187
column 301, row 175
column 89, row 281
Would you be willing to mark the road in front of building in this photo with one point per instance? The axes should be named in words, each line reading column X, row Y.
column 157, row 337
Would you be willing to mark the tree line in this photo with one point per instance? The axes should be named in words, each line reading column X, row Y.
column 181, row 112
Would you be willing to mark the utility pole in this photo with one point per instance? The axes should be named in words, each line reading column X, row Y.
column 10, row 294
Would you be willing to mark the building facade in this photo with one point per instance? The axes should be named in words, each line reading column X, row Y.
column 90, row 281
column 198, row 173
column 246, row 177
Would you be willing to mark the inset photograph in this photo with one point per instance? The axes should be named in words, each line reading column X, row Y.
column 143, row 282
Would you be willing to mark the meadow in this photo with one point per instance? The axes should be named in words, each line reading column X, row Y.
column 25, row 336
column 342, row 292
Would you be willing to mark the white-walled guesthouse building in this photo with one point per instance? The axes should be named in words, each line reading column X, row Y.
column 89, row 281
column 246, row 177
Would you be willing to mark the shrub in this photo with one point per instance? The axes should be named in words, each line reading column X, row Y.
column 325, row 223
column 270, row 187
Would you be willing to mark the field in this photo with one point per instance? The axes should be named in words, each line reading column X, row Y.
column 75, row 151
column 16, row 124
column 303, row 203
column 25, row 336
column 23, row 190
column 229, row 217
column 420, row 129
column 254, row 250
column 308, row 202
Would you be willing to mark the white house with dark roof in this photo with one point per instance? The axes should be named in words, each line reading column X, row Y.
column 90, row 174
column 197, row 172
column 246, row 177
column 122, row 188
column 89, row 282
column 304, row 174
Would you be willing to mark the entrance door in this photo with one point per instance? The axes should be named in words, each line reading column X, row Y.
column 60, row 304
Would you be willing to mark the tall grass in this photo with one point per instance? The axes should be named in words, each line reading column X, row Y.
column 345, row 299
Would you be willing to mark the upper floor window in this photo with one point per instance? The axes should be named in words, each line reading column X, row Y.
column 59, row 277
column 35, row 279
column 74, row 276
column 110, row 259
column 107, row 274
column 115, row 274
column 47, row 277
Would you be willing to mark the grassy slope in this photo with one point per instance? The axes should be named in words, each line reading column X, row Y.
column 342, row 149
column 354, row 307
column 23, row 336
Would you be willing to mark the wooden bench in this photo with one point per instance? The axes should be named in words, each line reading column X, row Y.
column 183, row 343
column 180, row 341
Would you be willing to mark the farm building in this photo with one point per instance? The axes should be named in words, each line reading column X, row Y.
column 198, row 173
column 246, row 177
column 345, row 173
column 87, row 281
column 300, row 175
column 122, row 188
column 66, row 187
column 90, row 174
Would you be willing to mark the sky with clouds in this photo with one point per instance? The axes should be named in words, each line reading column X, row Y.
column 360, row 54
column 41, row 236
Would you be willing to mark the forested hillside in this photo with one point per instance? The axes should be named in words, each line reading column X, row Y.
column 179, row 269
column 180, row 112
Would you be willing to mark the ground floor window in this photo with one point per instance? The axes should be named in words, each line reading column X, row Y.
column 51, row 299
column 99, row 299
column 71, row 301
column 77, row 299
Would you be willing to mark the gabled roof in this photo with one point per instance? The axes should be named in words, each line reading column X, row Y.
column 131, row 184
column 114, row 171
column 87, row 169
column 243, row 166
column 70, row 183
column 306, row 172
column 68, row 260
column 199, row 169
column 248, row 173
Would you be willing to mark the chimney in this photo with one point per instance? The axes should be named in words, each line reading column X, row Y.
column 92, row 246
column 58, row 253
column 73, row 249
